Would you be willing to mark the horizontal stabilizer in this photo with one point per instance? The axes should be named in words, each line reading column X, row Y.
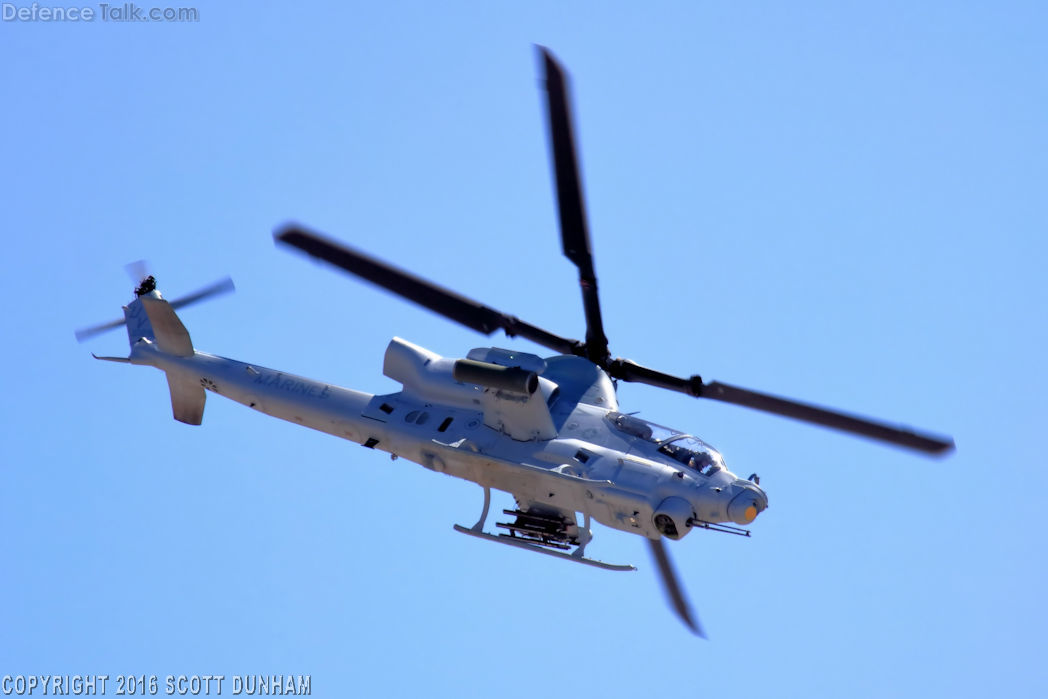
column 122, row 360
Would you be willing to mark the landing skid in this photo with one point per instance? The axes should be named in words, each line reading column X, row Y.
column 577, row 555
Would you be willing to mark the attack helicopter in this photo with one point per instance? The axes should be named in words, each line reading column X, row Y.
column 547, row 430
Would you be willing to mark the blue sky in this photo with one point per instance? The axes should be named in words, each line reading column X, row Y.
column 840, row 202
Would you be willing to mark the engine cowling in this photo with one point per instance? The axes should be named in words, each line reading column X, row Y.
column 672, row 518
column 504, row 378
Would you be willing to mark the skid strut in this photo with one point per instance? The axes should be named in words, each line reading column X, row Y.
column 479, row 526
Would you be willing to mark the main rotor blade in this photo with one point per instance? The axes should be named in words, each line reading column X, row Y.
column 574, row 231
column 425, row 293
column 899, row 435
column 671, row 585
column 893, row 434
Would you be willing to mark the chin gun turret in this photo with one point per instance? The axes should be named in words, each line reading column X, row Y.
column 672, row 517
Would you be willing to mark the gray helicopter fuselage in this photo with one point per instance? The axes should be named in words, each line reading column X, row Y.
column 561, row 449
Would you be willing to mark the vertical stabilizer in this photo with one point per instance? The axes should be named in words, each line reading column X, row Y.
column 138, row 325
column 152, row 318
column 187, row 399
column 171, row 336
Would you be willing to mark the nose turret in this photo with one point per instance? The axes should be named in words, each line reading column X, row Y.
column 749, row 501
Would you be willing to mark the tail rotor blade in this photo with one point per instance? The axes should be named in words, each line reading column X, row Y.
column 87, row 333
column 671, row 585
column 222, row 286
column 137, row 270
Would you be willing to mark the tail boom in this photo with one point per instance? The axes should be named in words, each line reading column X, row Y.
column 160, row 340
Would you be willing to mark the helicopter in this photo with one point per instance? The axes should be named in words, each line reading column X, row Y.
column 548, row 431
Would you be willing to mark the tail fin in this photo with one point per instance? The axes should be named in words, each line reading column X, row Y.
column 149, row 317
column 152, row 318
column 187, row 399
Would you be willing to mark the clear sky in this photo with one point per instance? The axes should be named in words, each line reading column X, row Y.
column 840, row 202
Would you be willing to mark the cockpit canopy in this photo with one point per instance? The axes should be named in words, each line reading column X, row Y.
column 691, row 451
